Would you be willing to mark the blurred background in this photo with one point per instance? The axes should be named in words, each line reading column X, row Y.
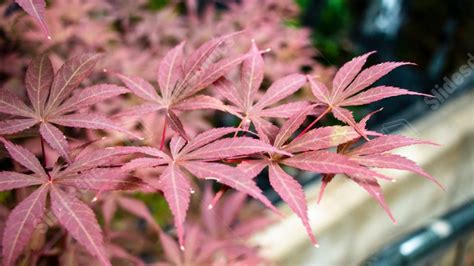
column 316, row 37
column 434, row 227
column 436, row 35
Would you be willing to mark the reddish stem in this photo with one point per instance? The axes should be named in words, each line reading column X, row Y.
column 233, row 160
column 97, row 195
column 324, row 182
column 240, row 159
column 45, row 162
column 162, row 144
column 314, row 122
column 217, row 197
column 240, row 125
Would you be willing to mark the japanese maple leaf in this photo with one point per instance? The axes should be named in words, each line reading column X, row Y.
column 242, row 97
column 36, row 9
column 374, row 154
column 111, row 202
column 51, row 103
column 198, row 248
column 202, row 249
column 76, row 217
column 309, row 154
column 224, row 224
column 129, row 204
column 220, row 221
column 348, row 85
column 75, row 254
column 221, row 237
column 180, row 79
column 201, row 157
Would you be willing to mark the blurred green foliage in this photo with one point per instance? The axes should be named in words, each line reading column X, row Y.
column 334, row 24
column 157, row 4
column 5, row 196
column 331, row 28
column 157, row 205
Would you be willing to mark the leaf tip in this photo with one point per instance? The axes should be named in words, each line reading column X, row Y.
column 438, row 184
column 278, row 213
column 365, row 137
column 321, row 192
column 267, row 50
column 442, row 187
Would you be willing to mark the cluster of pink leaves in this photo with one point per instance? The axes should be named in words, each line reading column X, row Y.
column 182, row 81
column 224, row 237
column 84, row 172
column 78, row 26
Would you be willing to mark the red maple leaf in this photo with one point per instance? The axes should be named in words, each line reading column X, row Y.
column 309, row 154
column 347, row 89
column 52, row 103
column 243, row 97
column 180, row 79
column 375, row 154
column 202, row 158
column 85, row 172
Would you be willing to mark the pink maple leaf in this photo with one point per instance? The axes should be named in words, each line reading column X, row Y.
column 36, row 9
column 78, row 219
column 201, row 157
column 51, row 103
column 180, row 79
column 374, row 154
column 309, row 154
column 243, row 97
column 347, row 89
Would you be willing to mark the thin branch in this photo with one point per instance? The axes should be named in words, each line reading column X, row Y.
column 314, row 122
column 45, row 161
column 162, row 144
